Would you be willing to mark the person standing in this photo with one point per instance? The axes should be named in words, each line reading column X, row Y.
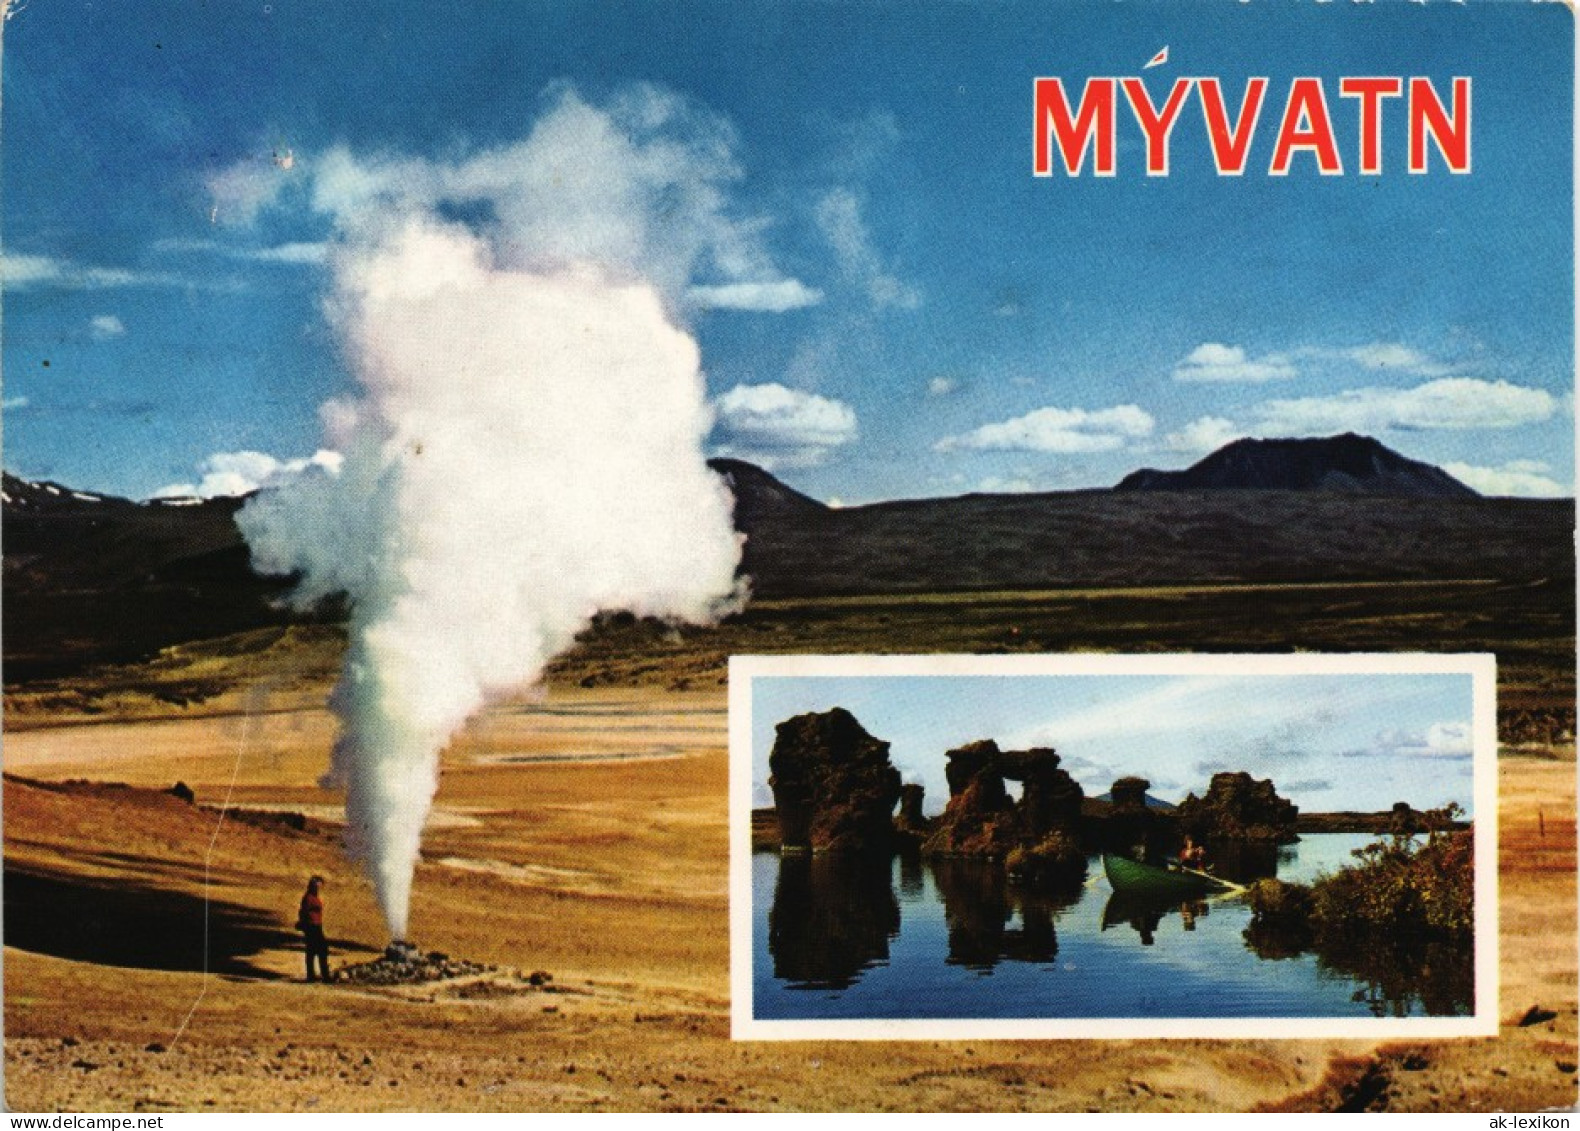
column 310, row 921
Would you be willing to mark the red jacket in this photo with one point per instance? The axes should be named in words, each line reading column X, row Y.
column 312, row 912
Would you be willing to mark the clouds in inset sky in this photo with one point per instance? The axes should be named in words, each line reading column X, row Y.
column 1445, row 740
column 1175, row 731
column 778, row 426
column 1309, row 785
column 1057, row 430
column 1169, row 706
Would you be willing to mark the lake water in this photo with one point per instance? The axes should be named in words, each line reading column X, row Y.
column 952, row 939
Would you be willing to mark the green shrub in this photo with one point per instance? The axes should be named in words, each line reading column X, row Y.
column 1275, row 901
column 1057, row 857
column 1403, row 886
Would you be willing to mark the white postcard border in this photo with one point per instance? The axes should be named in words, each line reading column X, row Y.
column 1482, row 668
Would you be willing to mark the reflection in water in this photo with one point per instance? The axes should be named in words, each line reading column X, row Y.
column 1277, row 941
column 832, row 918
column 1435, row 978
column 1397, row 978
column 826, row 922
column 979, row 905
column 1145, row 912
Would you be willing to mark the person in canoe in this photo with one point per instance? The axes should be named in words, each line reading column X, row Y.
column 1193, row 855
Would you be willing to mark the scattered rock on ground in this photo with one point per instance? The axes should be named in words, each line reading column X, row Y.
column 409, row 968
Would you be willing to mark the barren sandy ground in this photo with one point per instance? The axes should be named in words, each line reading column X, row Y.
column 584, row 836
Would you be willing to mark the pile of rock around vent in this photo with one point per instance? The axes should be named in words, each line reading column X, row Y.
column 403, row 964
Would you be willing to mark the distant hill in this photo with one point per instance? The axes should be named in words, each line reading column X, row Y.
column 1152, row 802
column 1149, row 537
column 1349, row 463
column 761, row 499
column 92, row 578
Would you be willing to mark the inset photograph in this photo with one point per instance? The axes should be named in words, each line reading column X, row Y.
column 1087, row 846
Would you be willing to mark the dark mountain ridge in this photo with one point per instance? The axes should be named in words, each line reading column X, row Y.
column 1349, row 463
column 91, row 578
column 760, row 498
column 94, row 578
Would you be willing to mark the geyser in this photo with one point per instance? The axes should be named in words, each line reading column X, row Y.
column 525, row 448
column 526, row 451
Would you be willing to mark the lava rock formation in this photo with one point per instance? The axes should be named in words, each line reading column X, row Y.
column 1239, row 807
column 982, row 819
column 834, row 787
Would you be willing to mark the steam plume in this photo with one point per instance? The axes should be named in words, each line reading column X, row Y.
column 526, row 450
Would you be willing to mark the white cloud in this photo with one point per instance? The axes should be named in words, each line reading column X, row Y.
column 1006, row 485
column 299, row 252
column 862, row 143
column 246, row 188
column 238, row 473
column 786, row 294
column 1176, row 706
column 1527, row 478
column 640, row 184
column 1307, row 785
column 102, row 327
column 1449, row 403
column 781, row 427
column 839, row 217
column 1057, row 430
column 1440, row 741
column 11, row 403
column 33, row 272
column 1391, row 355
column 942, row 386
column 309, row 252
column 1212, row 361
column 1204, row 434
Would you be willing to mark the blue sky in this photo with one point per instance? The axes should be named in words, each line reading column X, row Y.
column 1328, row 742
column 886, row 300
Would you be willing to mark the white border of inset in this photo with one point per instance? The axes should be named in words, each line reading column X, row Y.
column 1481, row 668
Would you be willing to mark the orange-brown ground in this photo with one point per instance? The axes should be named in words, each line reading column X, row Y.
column 606, row 866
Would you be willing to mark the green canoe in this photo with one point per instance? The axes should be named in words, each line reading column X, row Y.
column 1149, row 879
